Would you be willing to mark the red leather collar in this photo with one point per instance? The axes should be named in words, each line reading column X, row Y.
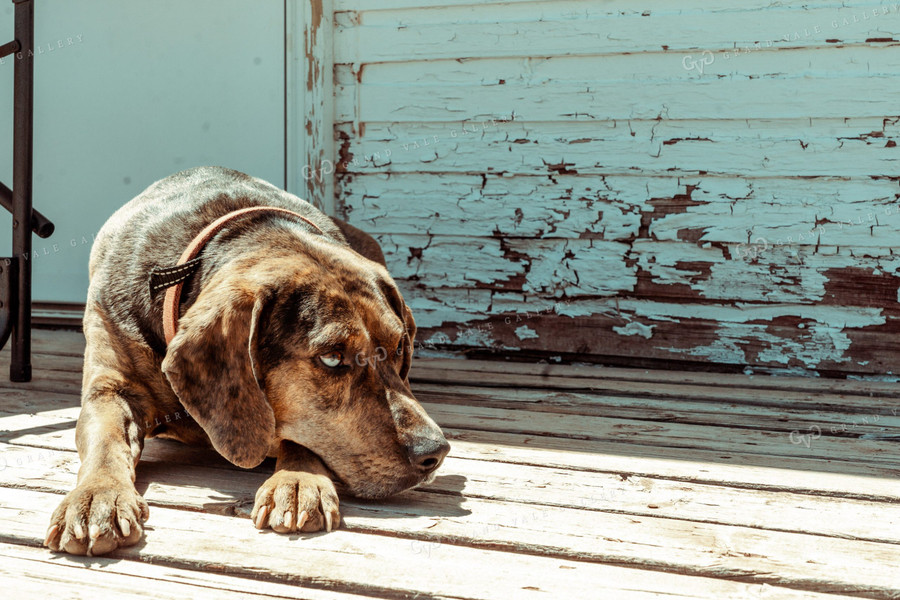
column 173, row 294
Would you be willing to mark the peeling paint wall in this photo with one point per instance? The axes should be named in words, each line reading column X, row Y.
column 631, row 183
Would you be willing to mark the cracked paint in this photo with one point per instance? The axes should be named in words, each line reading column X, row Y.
column 526, row 333
column 632, row 219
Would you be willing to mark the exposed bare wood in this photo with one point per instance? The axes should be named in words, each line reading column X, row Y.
column 354, row 562
column 30, row 572
column 556, row 508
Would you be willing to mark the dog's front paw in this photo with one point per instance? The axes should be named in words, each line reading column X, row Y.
column 296, row 501
column 98, row 516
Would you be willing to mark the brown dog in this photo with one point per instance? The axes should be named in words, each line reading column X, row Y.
column 292, row 341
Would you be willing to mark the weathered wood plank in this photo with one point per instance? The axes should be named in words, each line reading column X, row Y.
column 551, row 532
column 679, row 435
column 784, row 473
column 556, row 376
column 767, row 271
column 734, row 415
column 359, row 563
column 560, row 498
column 663, row 432
column 829, row 408
column 30, row 572
column 667, row 148
column 624, row 7
column 629, row 86
column 552, row 30
column 757, row 221
column 49, row 426
column 785, row 338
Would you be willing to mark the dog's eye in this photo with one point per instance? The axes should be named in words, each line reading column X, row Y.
column 332, row 359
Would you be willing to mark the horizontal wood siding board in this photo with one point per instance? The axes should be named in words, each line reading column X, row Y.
column 767, row 217
column 588, row 103
column 565, row 268
column 552, row 30
column 855, row 148
column 800, row 83
column 512, row 8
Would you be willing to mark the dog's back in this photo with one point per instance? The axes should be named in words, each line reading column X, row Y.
column 139, row 237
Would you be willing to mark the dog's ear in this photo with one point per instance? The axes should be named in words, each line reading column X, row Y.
column 411, row 331
column 397, row 304
column 212, row 366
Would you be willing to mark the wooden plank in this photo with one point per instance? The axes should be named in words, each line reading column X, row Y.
column 827, row 444
column 434, row 521
column 552, row 373
column 723, row 414
column 451, row 33
column 614, row 6
column 548, row 267
column 35, row 573
column 842, row 405
column 491, row 488
column 45, row 365
column 784, row 338
column 359, row 563
column 784, row 474
column 736, row 226
column 757, row 150
column 634, row 86
column 56, row 341
column 721, row 439
column 52, row 427
column 834, row 414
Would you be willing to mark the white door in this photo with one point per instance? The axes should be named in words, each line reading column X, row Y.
column 129, row 92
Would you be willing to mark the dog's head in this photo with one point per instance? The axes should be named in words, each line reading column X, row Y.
column 315, row 349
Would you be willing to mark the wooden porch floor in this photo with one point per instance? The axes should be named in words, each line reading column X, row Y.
column 563, row 482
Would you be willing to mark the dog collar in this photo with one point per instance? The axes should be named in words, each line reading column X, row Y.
column 173, row 278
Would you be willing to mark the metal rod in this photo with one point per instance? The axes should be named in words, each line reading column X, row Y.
column 40, row 225
column 23, row 104
column 9, row 48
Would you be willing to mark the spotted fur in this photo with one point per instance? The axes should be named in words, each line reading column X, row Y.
column 245, row 372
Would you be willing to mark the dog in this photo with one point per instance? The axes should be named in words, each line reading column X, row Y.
column 278, row 332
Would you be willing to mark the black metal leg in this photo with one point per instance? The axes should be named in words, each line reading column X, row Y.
column 15, row 272
column 20, row 366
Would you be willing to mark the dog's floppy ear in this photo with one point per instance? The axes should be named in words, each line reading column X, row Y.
column 211, row 364
column 395, row 300
column 411, row 330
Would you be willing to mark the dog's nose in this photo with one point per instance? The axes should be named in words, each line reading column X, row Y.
column 427, row 453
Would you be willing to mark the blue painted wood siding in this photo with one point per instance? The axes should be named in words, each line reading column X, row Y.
column 629, row 182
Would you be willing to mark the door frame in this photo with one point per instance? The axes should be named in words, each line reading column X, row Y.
column 309, row 161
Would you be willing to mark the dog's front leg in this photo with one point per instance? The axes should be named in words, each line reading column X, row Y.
column 300, row 496
column 104, row 511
